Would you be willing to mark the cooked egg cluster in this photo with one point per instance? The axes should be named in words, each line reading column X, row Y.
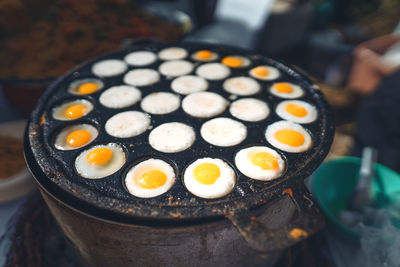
column 100, row 161
column 209, row 178
column 177, row 87
column 288, row 136
column 150, row 178
column 259, row 163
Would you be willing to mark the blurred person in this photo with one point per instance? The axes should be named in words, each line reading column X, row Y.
column 372, row 61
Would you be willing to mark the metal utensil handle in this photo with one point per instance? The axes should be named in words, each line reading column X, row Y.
column 308, row 220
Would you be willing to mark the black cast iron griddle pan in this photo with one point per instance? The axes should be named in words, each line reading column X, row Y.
column 107, row 198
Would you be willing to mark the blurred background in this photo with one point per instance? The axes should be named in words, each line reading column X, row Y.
column 349, row 48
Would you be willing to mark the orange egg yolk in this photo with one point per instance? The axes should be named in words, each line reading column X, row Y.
column 265, row 161
column 78, row 138
column 75, row 111
column 99, row 156
column 88, row 88
column 296, row 110
column 232, row 62
column 289, row 137
column 261, row 71
column 152, row 179
column 204, row 54
column 283, row 88
column 206, row 173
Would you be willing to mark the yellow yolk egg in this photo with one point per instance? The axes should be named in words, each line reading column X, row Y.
column 78, row 138
column 283, row 88
column 265, row 161
column 260, row 163
column 75, row 111
column 150, row 178
column 72, row 110
column 209, row 178
column 99, row 156
column 288, row 136
column 100, row 161
column 75, row 136
column 297, row 111
column 204, row 54
column 88, row 88
column 265, row 73
column 232, row 62
column 261, row 71
column 286, row 90
column 206, row 173
column 85, row 86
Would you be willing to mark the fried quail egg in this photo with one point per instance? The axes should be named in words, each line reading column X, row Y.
column 175, row 68
column 141, row 77
column 120, row 96
column 127, row 124
column 76, row 136
column 249, row 109
column 209, row 178
column 109, row 67
column 72, row 110
column 172, row 53
column 85, row 86
column 100, row 161
column 223, row 132
column 150, row 178
column 189, row 84
column 288, row 136
column 286, row 90
column 296, row 111
column 259, row 163
column 265, row 73
column 205, row 56
column 236, row 61
column 140, row 58
column 204, row 104
column 243, row 86
column 213, row 71
column 160, row 103
column 172, row 137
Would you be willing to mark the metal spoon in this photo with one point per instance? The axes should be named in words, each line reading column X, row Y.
column 361, row 196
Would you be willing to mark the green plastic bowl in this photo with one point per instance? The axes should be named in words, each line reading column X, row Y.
column 334, row 181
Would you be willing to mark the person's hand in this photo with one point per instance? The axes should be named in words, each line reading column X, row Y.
column 368, row 67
